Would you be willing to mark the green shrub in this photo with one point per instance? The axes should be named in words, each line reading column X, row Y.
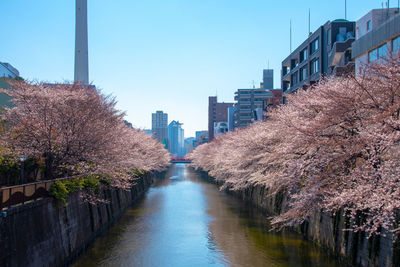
column 59, row 191
column 137, row 173
column 91, row 184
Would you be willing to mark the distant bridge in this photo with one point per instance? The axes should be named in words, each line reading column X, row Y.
column 180, row 160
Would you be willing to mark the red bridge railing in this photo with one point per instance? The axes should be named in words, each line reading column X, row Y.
column 180, row 160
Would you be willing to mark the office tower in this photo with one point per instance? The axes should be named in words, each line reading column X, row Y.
column 176, row 139
column 159, row 126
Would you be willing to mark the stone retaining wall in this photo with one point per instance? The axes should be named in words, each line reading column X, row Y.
column 45, row 233
column 327, row 231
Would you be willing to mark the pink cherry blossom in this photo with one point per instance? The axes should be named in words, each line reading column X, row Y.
column 76, row 130
column 334, row 146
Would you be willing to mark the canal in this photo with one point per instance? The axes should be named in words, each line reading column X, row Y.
column 185, row 221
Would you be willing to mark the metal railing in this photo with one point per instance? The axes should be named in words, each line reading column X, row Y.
column 20, row 194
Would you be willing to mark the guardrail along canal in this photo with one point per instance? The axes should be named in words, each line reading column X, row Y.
column 185, row 221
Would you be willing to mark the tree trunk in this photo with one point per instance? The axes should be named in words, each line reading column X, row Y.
column 48, row 171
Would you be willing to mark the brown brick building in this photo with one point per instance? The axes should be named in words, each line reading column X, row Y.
column 217, row 112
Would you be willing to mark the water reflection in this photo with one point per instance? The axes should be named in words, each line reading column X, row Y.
column 184, row 221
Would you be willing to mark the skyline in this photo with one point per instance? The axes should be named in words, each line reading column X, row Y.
column 164, row 56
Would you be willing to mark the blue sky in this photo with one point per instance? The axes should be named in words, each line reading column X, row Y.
column 165, row 55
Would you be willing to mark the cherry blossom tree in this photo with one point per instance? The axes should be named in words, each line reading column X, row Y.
column 334, row 146
column 76, row 130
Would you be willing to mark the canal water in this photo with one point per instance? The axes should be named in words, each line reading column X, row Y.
column 185, row 221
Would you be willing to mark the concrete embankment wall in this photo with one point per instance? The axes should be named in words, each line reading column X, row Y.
column 327, row 231
column 45, row 233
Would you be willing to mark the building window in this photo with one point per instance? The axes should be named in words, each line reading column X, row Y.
column 373, row 55
column 382, row 51
column 377, row 53
column 285, row 70
column 329, row 36
column 294, row 63
column 303, row 73
column 303, row 55
column 314, row 46
column 295, row 79
column 314, row 66
column 368, row 25
column 396, row 44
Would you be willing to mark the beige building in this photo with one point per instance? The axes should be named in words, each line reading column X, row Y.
column 377, row 36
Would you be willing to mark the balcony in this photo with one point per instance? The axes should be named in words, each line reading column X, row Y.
column 244, row 118
column 245, row 111
column 338, row 49
column 246, row 96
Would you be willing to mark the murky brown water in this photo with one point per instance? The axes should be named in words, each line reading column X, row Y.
column 184, row 221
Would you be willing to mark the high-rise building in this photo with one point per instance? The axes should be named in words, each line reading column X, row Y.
column 176, row 139
column 159, row 126
column 327, row 51
column 81, row 43
column 268, row 79
column 217, row 112
column 377, row 36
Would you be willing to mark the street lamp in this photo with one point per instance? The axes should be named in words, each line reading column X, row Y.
column 22, row 158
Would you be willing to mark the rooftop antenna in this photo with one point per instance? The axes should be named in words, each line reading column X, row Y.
column 345, row 9
column 387, row 7
column 382, row 11
column 290, row 36
column 268, row 63
column 254, row 85
column 309, row 21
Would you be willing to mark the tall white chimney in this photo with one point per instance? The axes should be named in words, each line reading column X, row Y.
column 81, row 43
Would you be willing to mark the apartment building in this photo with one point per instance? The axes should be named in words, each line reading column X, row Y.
column 327, row 51
column 248, row 105
column 251, row 104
